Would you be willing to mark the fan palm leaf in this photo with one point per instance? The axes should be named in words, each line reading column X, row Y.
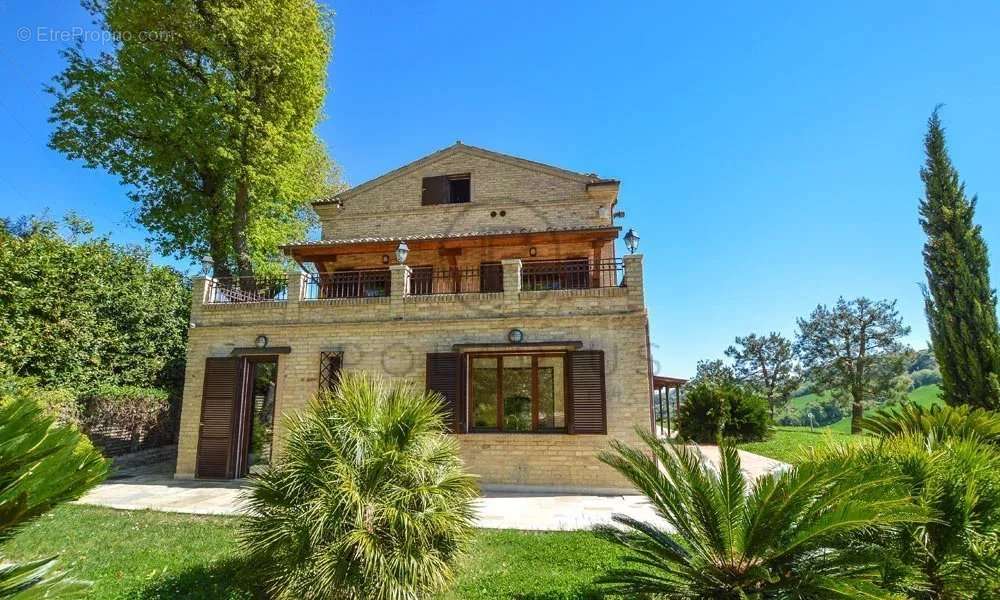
column 808, row 532
column 369, row 499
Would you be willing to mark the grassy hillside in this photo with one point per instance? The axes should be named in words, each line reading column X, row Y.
column 924, row 396
column 792, row 444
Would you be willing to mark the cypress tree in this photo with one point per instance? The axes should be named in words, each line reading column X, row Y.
column 960, row 304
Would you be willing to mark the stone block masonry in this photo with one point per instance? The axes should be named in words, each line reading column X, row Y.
column 394, row 335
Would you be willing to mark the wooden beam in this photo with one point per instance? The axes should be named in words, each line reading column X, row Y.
column 314, row 251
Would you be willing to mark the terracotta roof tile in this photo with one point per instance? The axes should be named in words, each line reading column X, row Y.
column 439, row 236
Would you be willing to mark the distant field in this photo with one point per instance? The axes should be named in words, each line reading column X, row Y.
column 792, row 444
column 924, row 396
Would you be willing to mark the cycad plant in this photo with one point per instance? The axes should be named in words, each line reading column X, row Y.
column 949, row 457
column 41, row 465
column 939, row 421
column 369, row 499
column 812, row 531
column 957, row 481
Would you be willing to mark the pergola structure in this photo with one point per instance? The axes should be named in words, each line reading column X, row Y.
column 661, row 393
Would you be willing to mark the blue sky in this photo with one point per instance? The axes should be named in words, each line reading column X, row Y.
column 768, row 151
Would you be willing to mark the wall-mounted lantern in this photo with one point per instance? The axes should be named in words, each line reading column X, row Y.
column 631, row 241
column 207, row 265
column 260, row 342
column 402, row 251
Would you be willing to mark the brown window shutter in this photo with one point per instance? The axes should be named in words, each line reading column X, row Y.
column 444, row 376
column 435, row 190
column 588, row 402
column 218, row 407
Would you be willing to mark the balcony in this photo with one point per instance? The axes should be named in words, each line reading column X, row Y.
column 552, row 289
column 238, row 290
column 511, row 277
column 365, row 283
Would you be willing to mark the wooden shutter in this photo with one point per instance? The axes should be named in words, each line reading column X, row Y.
column 435, row 190
column 444, row 376
column 218, row 408
column 587, row 399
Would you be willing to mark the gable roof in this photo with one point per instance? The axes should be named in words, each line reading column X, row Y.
column 460, row 148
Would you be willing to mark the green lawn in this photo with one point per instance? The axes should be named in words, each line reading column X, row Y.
column 791, row 444
column 143, row 555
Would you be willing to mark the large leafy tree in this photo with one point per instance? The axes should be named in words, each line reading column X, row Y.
column 960, row 304
column 77, row 310
column 813, row 531
column 207, row 109
column 854, row 350
column 767, row 363
column 713, row 371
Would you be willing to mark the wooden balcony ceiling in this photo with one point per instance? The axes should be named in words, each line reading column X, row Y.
column 662, row 381
column 366, row 245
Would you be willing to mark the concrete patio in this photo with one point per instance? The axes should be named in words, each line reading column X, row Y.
column 153, row 488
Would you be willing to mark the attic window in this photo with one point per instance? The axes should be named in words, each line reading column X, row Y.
column 447, row 189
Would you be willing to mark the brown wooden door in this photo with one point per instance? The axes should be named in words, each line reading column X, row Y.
column 218, row 408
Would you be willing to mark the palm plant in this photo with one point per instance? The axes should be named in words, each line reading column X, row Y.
column 949, row 458
column 940, row 421
column 368, row 501
column 41, row 465
column 812, row 531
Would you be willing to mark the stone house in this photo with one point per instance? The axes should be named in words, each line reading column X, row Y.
column 490, row 279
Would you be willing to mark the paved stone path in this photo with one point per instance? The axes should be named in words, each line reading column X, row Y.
column 154, row 489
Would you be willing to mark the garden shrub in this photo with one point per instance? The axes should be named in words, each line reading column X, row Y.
column 817, row 530
column 77, row 310
column 711, row 410
column 957, row 481
column 369, row 501
column 136, row 410
column 62, row 404
column 924, row 377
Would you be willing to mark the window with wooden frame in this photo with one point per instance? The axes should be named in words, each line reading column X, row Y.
column 446, row 189
column 518, row 393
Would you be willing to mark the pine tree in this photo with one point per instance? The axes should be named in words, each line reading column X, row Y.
column 960, row 304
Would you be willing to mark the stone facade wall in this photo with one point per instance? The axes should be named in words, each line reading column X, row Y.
column 530, row 196
column 393, row 336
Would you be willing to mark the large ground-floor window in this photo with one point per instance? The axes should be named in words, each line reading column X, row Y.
column 517, row 392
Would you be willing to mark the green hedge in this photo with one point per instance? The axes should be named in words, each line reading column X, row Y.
column 712, row 410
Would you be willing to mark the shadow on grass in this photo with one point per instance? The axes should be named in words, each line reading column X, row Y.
column 231, row 579
column 581, row 593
